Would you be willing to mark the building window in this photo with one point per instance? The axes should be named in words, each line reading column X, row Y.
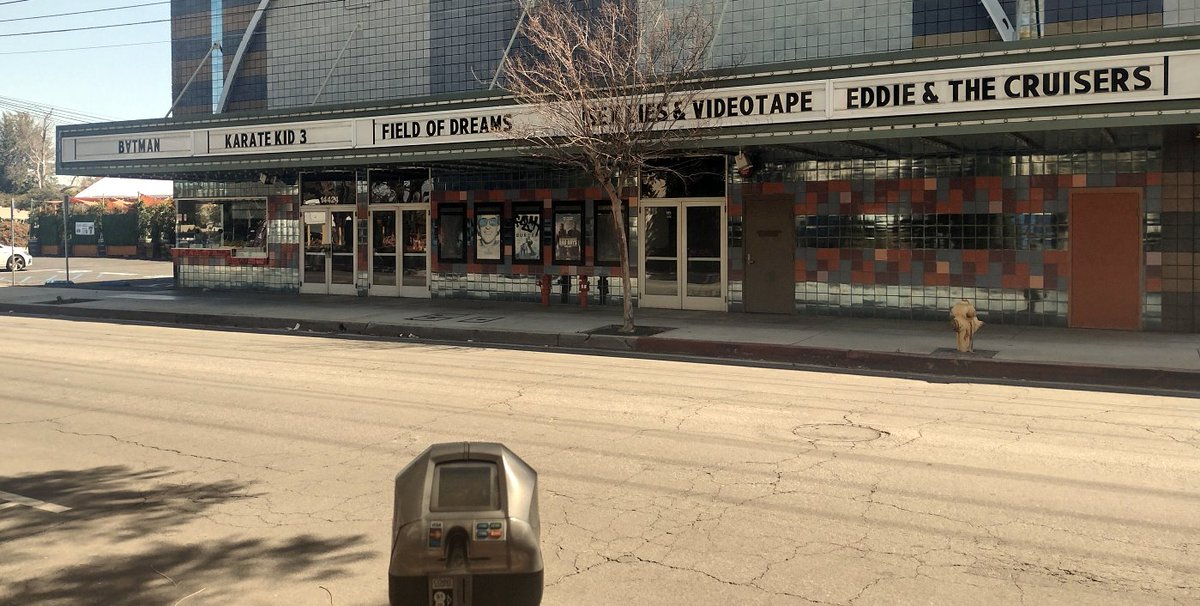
column 327, row 188
column 452, row 233
column 607, row 251
column 240, row 224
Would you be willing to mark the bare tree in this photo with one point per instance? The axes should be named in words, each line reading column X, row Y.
column 606, row 86
column 27, row 150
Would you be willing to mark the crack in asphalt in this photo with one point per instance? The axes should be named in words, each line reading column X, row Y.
column 140, row 444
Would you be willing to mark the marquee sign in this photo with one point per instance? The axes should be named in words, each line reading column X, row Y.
column 1040, row 84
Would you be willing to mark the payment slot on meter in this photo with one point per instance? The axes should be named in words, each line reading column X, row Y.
column 465, row 529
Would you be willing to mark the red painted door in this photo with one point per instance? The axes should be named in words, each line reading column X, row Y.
column 1106, row 260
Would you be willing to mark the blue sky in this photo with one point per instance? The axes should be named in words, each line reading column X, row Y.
column 121, row 83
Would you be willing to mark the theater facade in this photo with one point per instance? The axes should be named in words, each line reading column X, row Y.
column 1052, row 180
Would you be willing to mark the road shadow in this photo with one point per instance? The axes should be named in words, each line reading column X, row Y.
column 132, row 514
column 115, row 502
column 168, row 573
column 139, row 284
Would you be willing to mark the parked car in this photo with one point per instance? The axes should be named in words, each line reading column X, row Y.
column 15, row 258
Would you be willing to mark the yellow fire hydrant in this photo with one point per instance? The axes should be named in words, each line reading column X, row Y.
column 965, row 324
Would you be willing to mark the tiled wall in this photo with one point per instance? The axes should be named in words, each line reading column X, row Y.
column 398, row 50
column 771, row 31
column 1180, row 244
column 909, row 247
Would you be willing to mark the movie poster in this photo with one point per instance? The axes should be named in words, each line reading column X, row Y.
column 568, row 237
column 487, row 236
column 527, row 236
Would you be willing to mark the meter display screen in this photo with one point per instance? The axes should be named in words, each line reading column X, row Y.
column 469, row 486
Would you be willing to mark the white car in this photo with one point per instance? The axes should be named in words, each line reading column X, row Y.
column 15, row 258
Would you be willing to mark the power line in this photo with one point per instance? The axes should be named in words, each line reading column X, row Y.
column 246, row 9
column 54, row 118
column 80, row 29
column 62, row 113
column 79, row 48
column 13, row 2
column 95, row 10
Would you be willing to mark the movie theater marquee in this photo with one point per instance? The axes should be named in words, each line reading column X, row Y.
column 1011, row 86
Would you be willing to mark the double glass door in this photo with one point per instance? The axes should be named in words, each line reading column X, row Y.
column 683, row 250
column 399, row 252
column 330, row 247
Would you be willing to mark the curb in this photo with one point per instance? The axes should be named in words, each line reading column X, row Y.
column 1149, row 379
column 958, row 368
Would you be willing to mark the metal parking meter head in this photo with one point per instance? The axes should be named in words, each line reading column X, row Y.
column 465, row 529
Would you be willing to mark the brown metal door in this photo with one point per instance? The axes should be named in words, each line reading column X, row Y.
column 769, row 257
column 1106, row 260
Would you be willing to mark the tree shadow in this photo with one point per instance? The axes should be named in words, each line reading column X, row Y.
column 121, row 508
column 113, row 502
column 167, row 573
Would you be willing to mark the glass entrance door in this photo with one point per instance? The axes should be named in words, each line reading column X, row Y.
column 683, row 249
column 399, row 255
column 329, row 252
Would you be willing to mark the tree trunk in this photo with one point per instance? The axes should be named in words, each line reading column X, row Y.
column 618, row 215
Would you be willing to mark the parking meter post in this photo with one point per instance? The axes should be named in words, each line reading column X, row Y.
column 565, row 282
column 465, row 529
column 602, row 283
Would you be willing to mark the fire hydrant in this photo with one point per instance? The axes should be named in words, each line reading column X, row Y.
column 583, row 291
column 544, row 283
column 965, row 324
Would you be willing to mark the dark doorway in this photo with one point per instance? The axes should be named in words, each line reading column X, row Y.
column 769, row 257
column 1106, row 259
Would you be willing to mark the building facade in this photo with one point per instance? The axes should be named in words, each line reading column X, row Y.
column 1040, row 158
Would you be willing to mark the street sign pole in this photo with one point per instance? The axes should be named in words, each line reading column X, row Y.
column 66, row 237
column 12, row 230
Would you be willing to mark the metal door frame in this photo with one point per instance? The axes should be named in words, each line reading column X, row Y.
column 681, row 300
column 400, row 289
column 328, row 287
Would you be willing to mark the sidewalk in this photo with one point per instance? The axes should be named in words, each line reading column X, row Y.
column 1100, row 358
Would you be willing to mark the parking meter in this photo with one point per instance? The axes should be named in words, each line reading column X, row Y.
column 465, row 529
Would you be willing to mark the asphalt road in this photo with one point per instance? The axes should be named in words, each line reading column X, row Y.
column 91, row 270
column 149, row 465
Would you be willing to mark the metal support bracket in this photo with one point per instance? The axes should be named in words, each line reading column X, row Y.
column 336, row 61
column 237, row 57
column 215, row 46
column 1004, row 25
column 525, row 6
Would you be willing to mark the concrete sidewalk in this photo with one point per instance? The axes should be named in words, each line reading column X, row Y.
column 1099, row 358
